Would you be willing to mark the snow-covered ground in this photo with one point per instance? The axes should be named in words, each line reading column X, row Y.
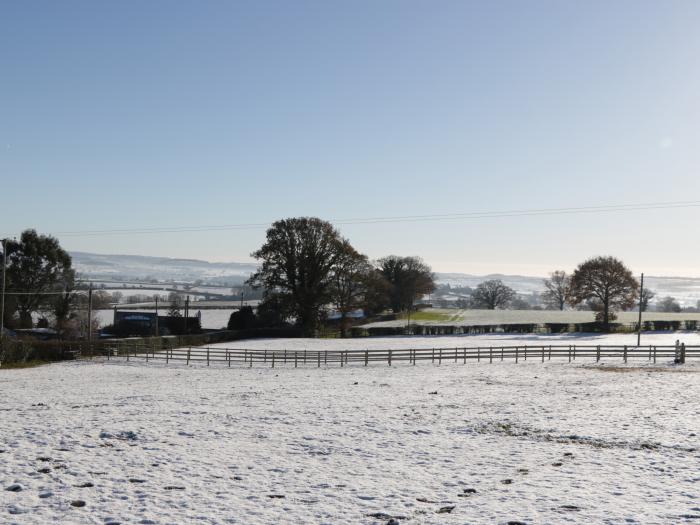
column 691, row 338
column 529, row 443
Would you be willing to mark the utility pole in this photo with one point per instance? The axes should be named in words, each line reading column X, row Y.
column 157, row 330
column 187, row 315
column 639, row 326
column 2, row 301
column 89, row 324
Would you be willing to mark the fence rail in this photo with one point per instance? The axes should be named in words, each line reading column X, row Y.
column 255, row 357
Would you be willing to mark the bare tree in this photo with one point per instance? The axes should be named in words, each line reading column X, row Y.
column 298, row 258
column 606, row 281
column 493, row 294
column 647, row 296
column 556, row 295
column 349, row 282
column 668, row 304
column 409, row 278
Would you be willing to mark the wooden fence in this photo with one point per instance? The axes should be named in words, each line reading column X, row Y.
column 272, row 358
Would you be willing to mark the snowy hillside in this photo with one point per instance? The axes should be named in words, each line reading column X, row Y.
column 138, row 267
column 530, row 443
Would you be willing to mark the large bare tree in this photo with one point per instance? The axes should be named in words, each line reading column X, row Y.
column 556, row 295
column 606, row 281
column 349, row 282
column 298, row 259
column 493, row 294
column 409, row 279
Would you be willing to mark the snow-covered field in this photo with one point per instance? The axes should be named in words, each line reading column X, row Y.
column 476, row 443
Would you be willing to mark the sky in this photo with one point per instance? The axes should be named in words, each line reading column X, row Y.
column 135, row 115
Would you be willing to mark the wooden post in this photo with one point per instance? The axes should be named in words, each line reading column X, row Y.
column 549, row 357
column 273, row 359
column 318, row 355
column 304, row 355
column 682, row 353
column 543, row 354
column 625, row 354
column 440, row 357
column 655, row 354
column 433, row 359
column 366, row 357
column 490, row 354
column 464, row 355
column 516, row 354
column 265, row 356
column 574, row 352
column 325, row 357
column 207, row 356
column 502, row 351
column 188, row 355
column 525, row 352
column 569, row 353
column 342, row 363
column 478, row 354
column 295, row 358
column 649, row 353
column 597, row 354
column 245, row 357
column 285, row 356
column 390, row 357
column 250, row 365
column 456, row 354
column 167, row 356
column 228, row 357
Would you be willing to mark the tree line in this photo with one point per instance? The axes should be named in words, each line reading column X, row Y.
column 307, row 266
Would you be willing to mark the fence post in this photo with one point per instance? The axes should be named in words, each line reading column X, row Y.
column 167, row 356
column 543, row 354
column 285, row 356
column 228, row 357
column 574, row 352
column 597, row 354
column 342, row 363
column 490, row 354
column 502, row 351
column 304, row 355
column 390, row 357
column 516, row 354
column 295, row 358
column 440, row 357
column 207, row 356
column 265, row 356
column 456, row 349
column 525, row 352
column 649, row 353
column 569, row 353
column 625, row 353
column 655, row 354
column 682, row 353
column 433, row 359
column 318, row 358
column 250, row 365
column 478, row 354
column 273, row 359
column 366, row 357
column 325, row 357
column 188, row 354
column 549, row 357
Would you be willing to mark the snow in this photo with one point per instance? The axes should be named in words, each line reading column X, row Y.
column 690, row 338
column 581, row 443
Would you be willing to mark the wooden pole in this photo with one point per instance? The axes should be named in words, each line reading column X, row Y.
column 639, row 326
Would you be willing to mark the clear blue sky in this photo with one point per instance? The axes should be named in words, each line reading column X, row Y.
column 137, row 114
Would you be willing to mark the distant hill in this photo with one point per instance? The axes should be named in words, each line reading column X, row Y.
column 139, row 267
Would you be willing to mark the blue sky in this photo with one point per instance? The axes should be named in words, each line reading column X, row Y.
column 163, row 113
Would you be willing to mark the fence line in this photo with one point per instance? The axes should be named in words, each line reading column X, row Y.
column 316, row 358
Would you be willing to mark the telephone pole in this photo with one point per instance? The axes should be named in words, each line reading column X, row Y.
column 2, row 301
column 89, row 324
column 639, row 326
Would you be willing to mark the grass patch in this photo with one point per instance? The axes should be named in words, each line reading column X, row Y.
column 27, row 364
column 425, row 315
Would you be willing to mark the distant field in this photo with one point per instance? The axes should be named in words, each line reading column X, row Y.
column 448, row 317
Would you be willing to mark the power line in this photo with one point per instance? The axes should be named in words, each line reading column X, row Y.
column 397, row 219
